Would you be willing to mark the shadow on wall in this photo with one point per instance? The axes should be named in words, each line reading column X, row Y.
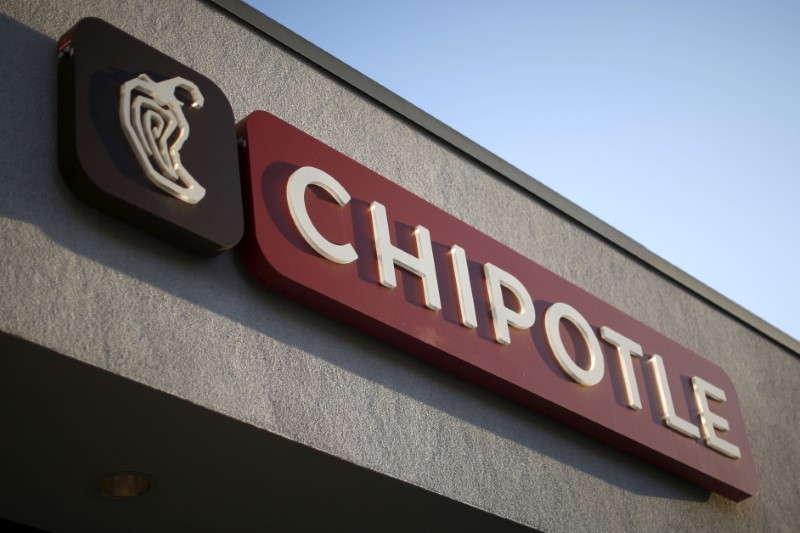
column 32, row 191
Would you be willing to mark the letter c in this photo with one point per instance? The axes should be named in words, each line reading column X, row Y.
column 295, row 196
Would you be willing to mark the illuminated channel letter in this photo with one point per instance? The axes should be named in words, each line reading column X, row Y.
column 296, row 197
column 668, row 415
column 626, row 351
column 502, row 316
column 709, row 421
column 552, row 320
column 390, row 255
column 466, row 305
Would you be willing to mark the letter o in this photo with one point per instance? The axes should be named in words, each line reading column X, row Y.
column 552, row 321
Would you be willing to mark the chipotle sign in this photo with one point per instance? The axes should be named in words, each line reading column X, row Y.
column 327, row 231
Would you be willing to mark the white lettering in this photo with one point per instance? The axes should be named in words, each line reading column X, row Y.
column 710, row 422
column 295, row 196
column 668, row 415
column 390, row 255
column 626, row 351
column 552, row 322
column 520, row 314
column 502, row 316
column 466, row 305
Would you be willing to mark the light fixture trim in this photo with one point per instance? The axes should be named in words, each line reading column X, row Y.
column 123, row 485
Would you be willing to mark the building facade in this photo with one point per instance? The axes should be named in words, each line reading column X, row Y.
column 245, row 410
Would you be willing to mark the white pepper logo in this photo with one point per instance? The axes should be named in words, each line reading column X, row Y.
column 124, row 111
column 154, row 124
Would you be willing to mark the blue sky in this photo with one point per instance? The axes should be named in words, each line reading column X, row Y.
column 678, row 123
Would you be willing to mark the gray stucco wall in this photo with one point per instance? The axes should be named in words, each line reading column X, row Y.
column 92, row 288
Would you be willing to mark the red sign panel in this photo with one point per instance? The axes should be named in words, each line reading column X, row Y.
column 338, row 237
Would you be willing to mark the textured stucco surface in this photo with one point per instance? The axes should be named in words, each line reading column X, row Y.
column 97, row 290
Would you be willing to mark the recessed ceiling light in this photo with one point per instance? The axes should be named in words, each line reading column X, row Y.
column 123, row 485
